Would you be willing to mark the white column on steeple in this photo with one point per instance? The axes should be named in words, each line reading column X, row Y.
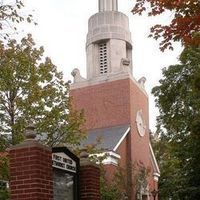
column 108, row 5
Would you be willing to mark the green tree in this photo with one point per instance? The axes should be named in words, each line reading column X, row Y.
column 32, row 90
column 178, row 100
column 4, row 193
column 109, row 191
column 170, row 169
column 125, row 182
column 11, row 14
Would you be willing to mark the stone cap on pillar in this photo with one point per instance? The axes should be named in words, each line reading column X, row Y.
column 85, row 160
column 30, row 139
column 30, row 133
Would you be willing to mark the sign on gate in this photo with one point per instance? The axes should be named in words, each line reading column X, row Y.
column 63, row 162
column 66, row 170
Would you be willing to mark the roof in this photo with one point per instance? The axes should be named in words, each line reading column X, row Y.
column 107, row 138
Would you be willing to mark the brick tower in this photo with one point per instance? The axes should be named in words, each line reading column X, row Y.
column 114, row 103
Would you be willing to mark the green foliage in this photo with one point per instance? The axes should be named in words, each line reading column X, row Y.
column 4, row 194
column 114, row 189
column 109, row 191
column 178, row 99
column 4, row 176
column 125, row 180
column 141, row 174
column 170, row 169
column 10, row 15
column 32, row 90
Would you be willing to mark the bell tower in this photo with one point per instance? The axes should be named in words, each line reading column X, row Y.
column 108, row 46
column 115, row 104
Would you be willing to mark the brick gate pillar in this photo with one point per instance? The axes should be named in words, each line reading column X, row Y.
column 31, row 174
column 89, row 179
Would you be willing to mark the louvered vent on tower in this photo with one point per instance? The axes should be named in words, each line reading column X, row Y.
column 103, row 58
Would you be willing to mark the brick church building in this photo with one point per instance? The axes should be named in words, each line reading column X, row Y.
column 114, row 102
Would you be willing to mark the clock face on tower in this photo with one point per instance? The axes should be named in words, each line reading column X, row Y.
column 141, row 127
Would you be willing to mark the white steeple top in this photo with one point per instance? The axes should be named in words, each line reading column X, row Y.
column 108, row 45
column 108, row 5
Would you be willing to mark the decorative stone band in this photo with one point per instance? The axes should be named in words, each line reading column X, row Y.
column 108, row 25
column 108, row 78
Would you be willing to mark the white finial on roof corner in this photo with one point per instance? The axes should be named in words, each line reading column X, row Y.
column 108, row 5
column 142, row 81
column 77, row 76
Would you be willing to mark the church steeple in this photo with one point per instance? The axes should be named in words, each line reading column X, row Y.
column 108, row 46
column 115, row 104
column 108, row 5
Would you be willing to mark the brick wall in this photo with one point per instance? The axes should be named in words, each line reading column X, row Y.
column 31, row 175
column 89, row 183
column 89, row 179
column 105, row 105
column 116, row 103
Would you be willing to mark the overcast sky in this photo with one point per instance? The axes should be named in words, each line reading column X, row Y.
column 62, row 29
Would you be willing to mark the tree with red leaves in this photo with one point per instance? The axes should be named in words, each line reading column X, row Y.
column 184, row 27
